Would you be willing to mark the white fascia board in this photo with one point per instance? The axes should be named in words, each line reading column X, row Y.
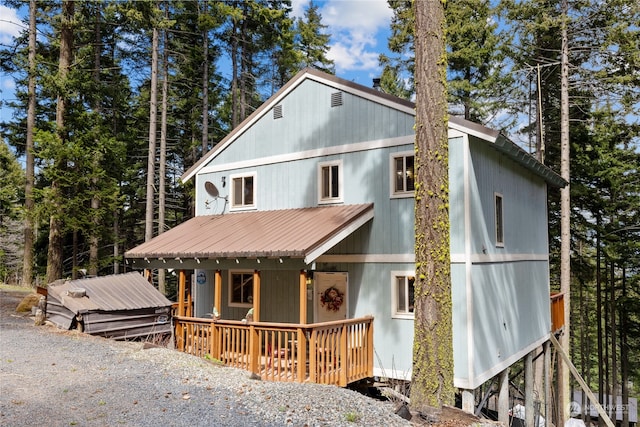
column 314, row 253
column 468, row 131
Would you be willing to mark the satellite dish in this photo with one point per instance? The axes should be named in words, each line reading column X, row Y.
column 211, row 189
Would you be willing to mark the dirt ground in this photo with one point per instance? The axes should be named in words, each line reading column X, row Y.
column 11, row 297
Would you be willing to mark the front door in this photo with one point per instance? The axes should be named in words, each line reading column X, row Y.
column 330, row 296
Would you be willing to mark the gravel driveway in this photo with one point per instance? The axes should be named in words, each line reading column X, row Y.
column 50, row 377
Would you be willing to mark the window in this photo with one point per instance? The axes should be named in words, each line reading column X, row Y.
column 403, row 176
column 243, row 191
column 403, row 294
column 330, row 182
column 499, row 220
column 240, row 288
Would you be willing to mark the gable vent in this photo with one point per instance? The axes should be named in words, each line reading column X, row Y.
column 336, row 99
column 277, row 112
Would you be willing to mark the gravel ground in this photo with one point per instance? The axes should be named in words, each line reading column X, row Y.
column 50, row 377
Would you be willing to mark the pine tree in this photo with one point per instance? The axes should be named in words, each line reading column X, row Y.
column 313, row 43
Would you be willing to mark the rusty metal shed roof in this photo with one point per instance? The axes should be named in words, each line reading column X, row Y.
column 109, row 293
column 298, row 233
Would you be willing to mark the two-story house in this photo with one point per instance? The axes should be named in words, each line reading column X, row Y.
column 305, row 212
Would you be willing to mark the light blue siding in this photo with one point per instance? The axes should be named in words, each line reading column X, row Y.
column 310, row 123
column 508, row 315
column 524, row 205
column 460, row 321
column 456, row 194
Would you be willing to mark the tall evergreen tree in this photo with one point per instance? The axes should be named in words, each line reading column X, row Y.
column 11, row 194
column 313, row 43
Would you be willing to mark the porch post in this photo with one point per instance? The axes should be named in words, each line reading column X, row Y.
column 302, row 338
column 503, row 398
column 256, row 295
column 303, row 297
column 217, row 298
column 468, row 401
column 528, row 389
column 181, row 285
column 189, row 306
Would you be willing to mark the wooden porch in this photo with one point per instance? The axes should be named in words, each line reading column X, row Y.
column 335, row 353
column 338, row 352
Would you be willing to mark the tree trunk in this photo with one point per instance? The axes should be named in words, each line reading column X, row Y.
column 234, row 77
column 205, row 86
column 116, row 242
column 599, row 318
column 162, row 170
column 432, row 380
column 55, row 249
column 614, row 356
column 565, row 216
column 94, row 240
column 624, row 355
column 151, row 159
column 27, row 266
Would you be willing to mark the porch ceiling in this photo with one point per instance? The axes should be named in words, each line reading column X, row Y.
column 303, row 233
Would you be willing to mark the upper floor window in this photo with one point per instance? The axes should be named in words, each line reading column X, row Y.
column 403, row 294
column 330, row 182
column 403, row 175
column 240, row 288
column 499, row 220
column 243, row 191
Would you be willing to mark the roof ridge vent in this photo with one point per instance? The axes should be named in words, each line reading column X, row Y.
column 336, row 99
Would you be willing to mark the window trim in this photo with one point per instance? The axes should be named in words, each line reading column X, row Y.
column 392, row 175
column 331, row 200
column 230, row 302
column 395, row 314
column 243, row 207
column 498, row 212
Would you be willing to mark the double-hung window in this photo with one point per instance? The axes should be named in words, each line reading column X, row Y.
column 403, row 297
column 240, row 288
column 243, row 191
column 330, row 182
column 402, row 174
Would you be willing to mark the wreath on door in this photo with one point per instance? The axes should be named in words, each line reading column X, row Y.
column 332, row 299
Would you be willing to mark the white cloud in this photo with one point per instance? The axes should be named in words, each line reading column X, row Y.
column 10, row 24
column 358, row 31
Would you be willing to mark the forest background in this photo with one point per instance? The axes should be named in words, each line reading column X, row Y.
column 90, row 158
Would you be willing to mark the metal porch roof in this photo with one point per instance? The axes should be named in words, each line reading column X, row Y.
column 296, row 233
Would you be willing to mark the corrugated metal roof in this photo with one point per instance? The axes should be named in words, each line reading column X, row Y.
column 299, row 233
column 109, row 293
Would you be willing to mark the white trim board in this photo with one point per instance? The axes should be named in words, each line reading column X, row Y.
column 310, row 154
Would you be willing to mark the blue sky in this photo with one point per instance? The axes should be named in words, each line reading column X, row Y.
column 359, row 30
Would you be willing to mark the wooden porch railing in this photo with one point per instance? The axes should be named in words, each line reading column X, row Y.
column 336, row 353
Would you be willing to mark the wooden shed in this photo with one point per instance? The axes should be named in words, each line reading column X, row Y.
column 120, row 306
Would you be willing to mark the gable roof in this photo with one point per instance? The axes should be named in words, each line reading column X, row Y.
column 296, row 233
column 306, row 74
column 494, row 138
